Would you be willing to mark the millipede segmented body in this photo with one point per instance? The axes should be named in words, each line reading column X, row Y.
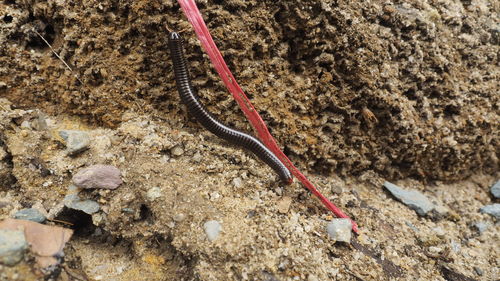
column 192, row 102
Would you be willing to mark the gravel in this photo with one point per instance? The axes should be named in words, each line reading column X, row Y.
column 12, row 246
column 411, row 198
column 98, row 176
column 339, row 230
column 30, row 214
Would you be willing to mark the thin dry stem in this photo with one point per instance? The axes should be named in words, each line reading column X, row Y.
column 57, row 55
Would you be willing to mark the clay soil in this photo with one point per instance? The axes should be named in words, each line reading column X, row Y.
column 355, row 92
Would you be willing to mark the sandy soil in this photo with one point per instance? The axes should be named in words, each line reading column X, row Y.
column 356, row 92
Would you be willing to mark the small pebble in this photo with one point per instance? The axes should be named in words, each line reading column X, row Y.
column 197, row 157
column 40, row 123
column 455, row 246
column 481, row 227
column 435, row 250
column 214, row 195
column 439, row 232
column 30, row 215
column 495, row 190
column 212, row 229
column 284, row 204
column 12, row 246
column 177, row 150
column 411, row 198
column 337, row 189
column 493, row 210
column 26, row 125
column 478, row 271
column 76, row 141
column 339, row 230
column 98, row 176
column 97, row 219
column 153, row 193
column 87, row 206
column 237, row 182
column 179, row 217
column 441, row 210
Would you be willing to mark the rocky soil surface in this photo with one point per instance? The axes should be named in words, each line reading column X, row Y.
column 358, row 94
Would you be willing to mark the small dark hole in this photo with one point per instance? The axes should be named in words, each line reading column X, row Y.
column 7, row 19
column 81, row 221
column 145, row 212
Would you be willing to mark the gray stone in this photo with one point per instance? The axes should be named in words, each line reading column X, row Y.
column 12, row 246
column 212, row 229
column 340, row 230
column 87, row 206
column 76, row 141
column 98, row 176
column 411, row 198
column 495, row 190
column 481, row 226
column 30, row 214
column 493, row 210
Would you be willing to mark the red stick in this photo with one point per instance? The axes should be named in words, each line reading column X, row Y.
column 196, row 20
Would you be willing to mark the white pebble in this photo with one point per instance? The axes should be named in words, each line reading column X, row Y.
column 153, row 193
column 340, row 230
column 212, row 229
column 237, row 182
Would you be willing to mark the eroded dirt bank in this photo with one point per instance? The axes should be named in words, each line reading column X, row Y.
column 355, row 92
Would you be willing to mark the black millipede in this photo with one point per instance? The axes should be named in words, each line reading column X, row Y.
column 196, row 108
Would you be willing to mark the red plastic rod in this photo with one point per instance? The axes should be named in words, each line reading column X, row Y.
column 193, row 14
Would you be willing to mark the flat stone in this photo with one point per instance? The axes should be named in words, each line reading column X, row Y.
column 493, row 209
column 340, row 230
column 12, row 246
column 88, row 206
column 76, row 141
column 212, row 229
column 98, row 176
column 411, row 198
column 30, row 214
column 495, row 190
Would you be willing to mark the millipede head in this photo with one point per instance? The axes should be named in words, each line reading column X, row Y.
column 174, row 36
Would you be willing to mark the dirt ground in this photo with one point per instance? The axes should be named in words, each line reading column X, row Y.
column 355, row 92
